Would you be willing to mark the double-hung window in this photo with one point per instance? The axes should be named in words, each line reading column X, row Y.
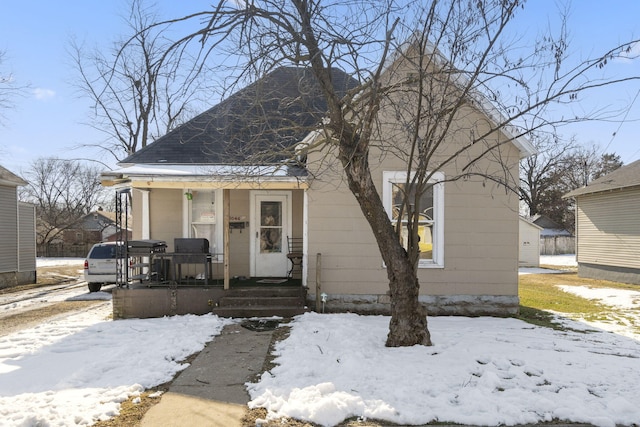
column 430, row 211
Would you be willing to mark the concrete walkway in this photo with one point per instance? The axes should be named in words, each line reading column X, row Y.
column 211, row 391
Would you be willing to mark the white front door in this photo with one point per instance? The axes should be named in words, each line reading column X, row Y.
column 270, row 226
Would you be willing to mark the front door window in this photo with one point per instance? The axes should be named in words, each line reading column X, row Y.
column 270, row 226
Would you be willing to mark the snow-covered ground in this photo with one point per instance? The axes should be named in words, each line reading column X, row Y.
column 626, row 318
column 560, row 261
column 50, row 262
column 11, row 303
column 78, row 370
column 568, row 260
column 483, row 370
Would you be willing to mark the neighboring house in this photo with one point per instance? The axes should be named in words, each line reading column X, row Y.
column 529, row 254
column 608, row 226
column 554, row 239
column 183, row 185
column 76, row 241
column 94, row 227
column 549, row 227
column 17, row 233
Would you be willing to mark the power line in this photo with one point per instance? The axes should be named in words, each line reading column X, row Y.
column 620, row 125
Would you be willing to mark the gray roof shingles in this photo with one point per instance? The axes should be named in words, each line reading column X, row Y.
column 624, row 177
column 259, row 124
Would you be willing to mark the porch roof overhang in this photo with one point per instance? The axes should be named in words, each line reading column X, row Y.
column 205, row 176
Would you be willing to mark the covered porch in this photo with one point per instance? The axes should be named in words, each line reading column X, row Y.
column 214, row 238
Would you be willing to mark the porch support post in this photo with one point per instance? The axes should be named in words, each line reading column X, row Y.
column 226, row 214
column 145, row 230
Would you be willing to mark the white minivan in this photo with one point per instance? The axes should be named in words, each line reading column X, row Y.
column 100, row 265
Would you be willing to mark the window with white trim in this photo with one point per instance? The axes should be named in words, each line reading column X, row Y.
column 430, row 214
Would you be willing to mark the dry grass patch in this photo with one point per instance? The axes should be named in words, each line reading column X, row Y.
column 132, row 410
column 40, row 314
column 48, row 276
column 540, row 294
column 59, row 274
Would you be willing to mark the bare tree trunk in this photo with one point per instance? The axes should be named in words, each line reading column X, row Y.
column 408, row 325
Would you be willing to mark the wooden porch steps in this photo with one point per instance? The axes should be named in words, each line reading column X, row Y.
column 284, row 301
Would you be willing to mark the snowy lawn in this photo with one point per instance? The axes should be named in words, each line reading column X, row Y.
column 52, row 262
column 481, row 371
column 78, row 370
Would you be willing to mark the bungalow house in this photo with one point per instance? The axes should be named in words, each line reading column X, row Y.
column 94, row 227
column 608, row 226
column 17, row 233
column 184, row 185
column 77, row 240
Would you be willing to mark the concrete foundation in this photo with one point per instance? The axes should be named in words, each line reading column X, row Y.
column 15, row 278
column 146, row 302
column 608, row 272
column 158, row 302
column 458, row 305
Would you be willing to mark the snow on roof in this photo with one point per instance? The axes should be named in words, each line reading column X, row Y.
column 191, row 170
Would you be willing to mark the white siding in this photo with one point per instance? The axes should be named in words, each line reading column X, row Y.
column 608, row 227
column 529, row 255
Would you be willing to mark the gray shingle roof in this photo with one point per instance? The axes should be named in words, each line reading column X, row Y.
column 626, row 176
column 259, row 124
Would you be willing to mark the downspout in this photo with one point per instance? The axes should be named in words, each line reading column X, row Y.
column 226, row 214
column 305, row 237
column 186, row 215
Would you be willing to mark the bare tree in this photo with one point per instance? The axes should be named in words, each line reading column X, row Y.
column 556, row 169
column 135, row 97
column 585, row 164
column 542, row 172
column 63, row 192
column 9, row 88
column 427, row 66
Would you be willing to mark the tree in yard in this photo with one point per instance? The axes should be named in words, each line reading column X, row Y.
column 608, row 163
column 585, row 164
column 63, row 191
column 542, row 172
column 423, row 69
column 557, row 168
column 135, row 97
